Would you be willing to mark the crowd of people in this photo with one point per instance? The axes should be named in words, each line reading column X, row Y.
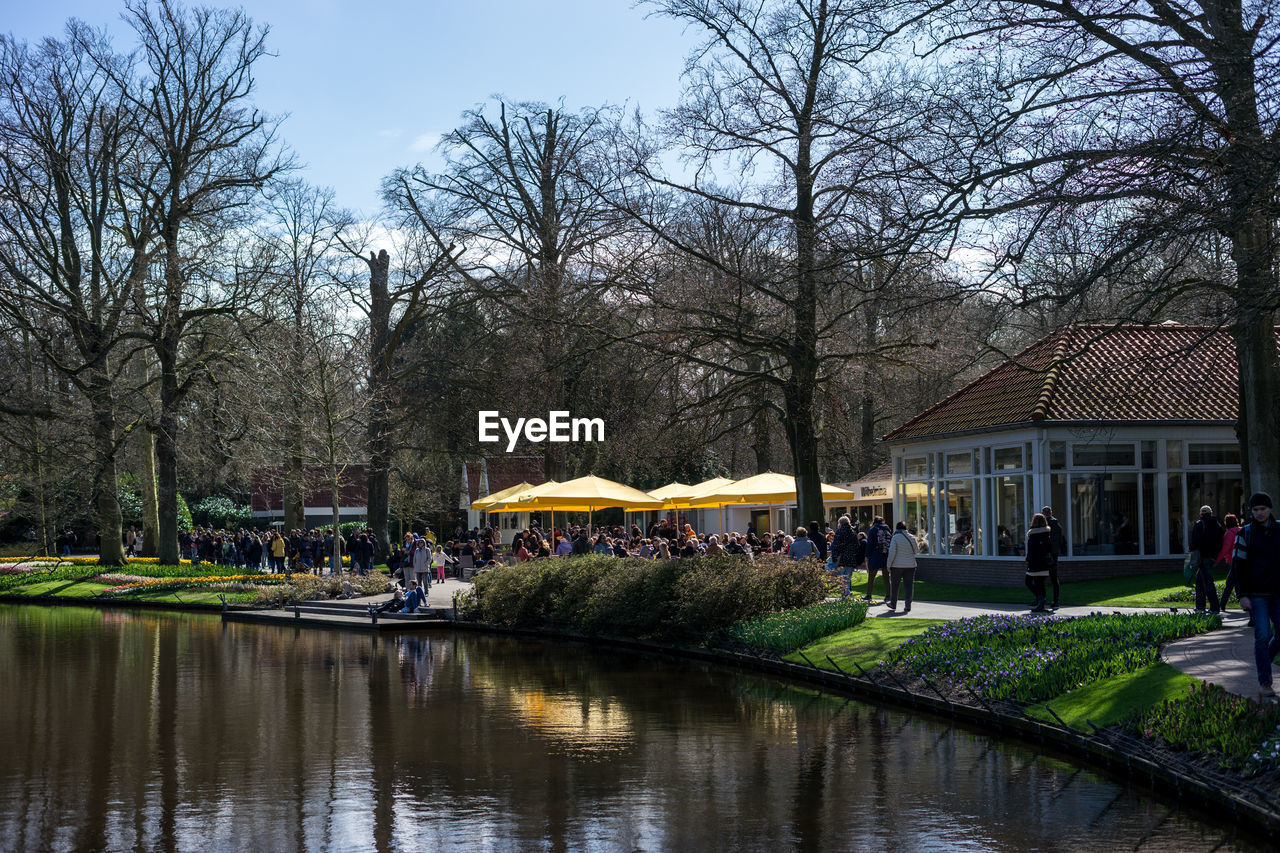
column 300, row 551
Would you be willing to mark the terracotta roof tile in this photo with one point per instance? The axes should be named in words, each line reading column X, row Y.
column 1096, row 373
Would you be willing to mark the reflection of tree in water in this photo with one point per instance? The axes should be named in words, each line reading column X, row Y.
column 313, row 739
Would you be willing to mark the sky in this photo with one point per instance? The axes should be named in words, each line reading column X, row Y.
column 370, row 86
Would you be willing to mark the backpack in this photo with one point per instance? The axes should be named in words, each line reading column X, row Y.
column 882, row 540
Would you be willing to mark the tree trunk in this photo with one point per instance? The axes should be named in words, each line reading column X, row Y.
column 167, row 453
column 1259, row 393
column 797, row 396
column 335, row 566
column 107, row 520
column 146, row 441
column 295, row 491
column 760, row 441
column 378, row 430
column 798, row 391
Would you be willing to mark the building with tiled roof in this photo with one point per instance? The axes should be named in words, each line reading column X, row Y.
column 1125, row 431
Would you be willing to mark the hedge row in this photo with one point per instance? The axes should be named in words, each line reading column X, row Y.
column 680, row 599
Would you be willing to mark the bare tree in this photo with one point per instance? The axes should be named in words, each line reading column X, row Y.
column 212, row 152
column 788, row 123
column 73, row 245
column 393, row 303
column 518, row 217
column 1165, row 116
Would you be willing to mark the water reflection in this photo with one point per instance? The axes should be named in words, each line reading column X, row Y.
column 166, row 732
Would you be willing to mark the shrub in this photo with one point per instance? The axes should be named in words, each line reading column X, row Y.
column 1239, row 733
column 789, row 630
column 688, row 598
column 221, row 512
column 1032, row 659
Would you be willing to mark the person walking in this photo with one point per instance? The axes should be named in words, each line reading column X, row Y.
column 1039, row 559
column 1232, row 526
column 439, row 560
column 901, row 564
column 844, row 547
column 277, row 553
column 1257, row 563
column 1059, row 542
column 877, row 555
column 819, row 540
column 419, row 562
column 1206, row 541
column 802, row 546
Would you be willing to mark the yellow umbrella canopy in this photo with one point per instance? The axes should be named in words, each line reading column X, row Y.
column 511, row 503
column 670, row 491
column 697, row 491
column 586, row 494
column 497, row 497
column 767, row 488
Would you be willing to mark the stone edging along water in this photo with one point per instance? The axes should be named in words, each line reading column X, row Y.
column 1208, row 795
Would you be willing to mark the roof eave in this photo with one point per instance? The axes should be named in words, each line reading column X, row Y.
column 1046, row 423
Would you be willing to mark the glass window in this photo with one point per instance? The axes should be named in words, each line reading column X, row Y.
column 916, row 467
column 1057, row 455
column 1213, row 454
column 1149, row 513
column 1008, row 459
column 1148, row 454
column 1175, row 510
column 1058, row 501
column 1101, row 455
column 1173, row 455
column 917, row 513
column 1104, row 514
column 963, row 529
column 959, row 463
column 1011, row 515
column 1223, row 493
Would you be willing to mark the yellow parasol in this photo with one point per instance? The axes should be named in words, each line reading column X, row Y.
column 768, row 488
column 588, row 494
column 487, row 501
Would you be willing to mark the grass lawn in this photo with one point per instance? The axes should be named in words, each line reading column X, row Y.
column 1113, row 699
column 61, row 588
column 864, row 644
column 1133, row 591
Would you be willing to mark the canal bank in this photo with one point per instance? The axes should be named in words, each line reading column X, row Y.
column 1124, row 757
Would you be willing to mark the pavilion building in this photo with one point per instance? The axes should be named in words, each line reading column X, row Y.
column 1124, row 431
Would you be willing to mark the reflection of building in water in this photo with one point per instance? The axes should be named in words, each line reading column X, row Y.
column 583, row 726
column 1125, row 433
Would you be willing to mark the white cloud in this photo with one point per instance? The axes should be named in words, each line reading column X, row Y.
column 424, row 142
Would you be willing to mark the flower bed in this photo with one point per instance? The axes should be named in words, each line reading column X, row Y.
column 238, row 583
column 1031, row 659
column 1238, row 733
column 790, row 629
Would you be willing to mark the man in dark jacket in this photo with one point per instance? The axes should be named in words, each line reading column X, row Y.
column 1206, row 539
column 582, row 544
column 878, row 538
column 1256, row 559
